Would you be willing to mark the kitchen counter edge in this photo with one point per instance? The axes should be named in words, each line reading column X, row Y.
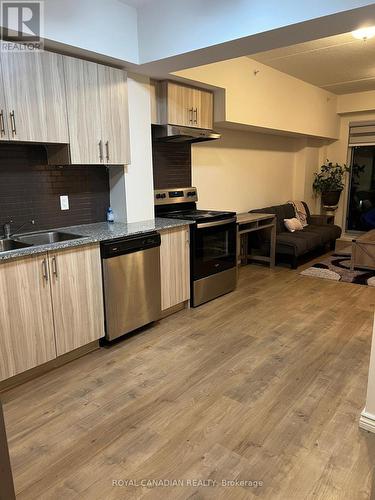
column 95, row 233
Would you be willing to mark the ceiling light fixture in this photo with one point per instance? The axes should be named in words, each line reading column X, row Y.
column 364, row 33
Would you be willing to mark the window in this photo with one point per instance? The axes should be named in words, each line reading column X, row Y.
column 361, row 202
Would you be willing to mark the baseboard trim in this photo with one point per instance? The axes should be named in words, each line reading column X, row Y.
column 367, row 421
column 174, row 309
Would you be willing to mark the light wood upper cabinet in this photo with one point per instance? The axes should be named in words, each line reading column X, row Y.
column 35, row 104
column 175, row 267
column 26, row 322
column 182, row 105
column 77, row 297
column 114, row 114
column 154, row 89
column 84, row 116
column 97, row 102
column 205, row 109
column 4, row 131
column 54, row 99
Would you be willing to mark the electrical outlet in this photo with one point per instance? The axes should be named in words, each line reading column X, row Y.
column 64, row 202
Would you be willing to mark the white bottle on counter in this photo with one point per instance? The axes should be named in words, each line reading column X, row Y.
column 110, row 215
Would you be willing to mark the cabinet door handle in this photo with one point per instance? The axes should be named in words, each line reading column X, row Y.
column 191, row 115
column 54, row 267
column 2, row 124
column 45, row 270
column 13, row 122
column 196, row 115
column 107, row 150
column 101, row 150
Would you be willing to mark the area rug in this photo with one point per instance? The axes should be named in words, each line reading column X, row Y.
column 337, row 267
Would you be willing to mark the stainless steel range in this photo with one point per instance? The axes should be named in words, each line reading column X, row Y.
column 213, row 240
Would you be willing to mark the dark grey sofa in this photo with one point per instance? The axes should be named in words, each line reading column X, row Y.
column 294, row 245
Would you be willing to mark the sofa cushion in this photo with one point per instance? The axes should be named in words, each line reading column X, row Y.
column 297, row 243
column 326, row 232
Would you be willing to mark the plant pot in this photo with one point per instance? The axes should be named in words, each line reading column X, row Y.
column 331, row 198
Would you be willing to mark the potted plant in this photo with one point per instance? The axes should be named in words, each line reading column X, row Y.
column 329, row 182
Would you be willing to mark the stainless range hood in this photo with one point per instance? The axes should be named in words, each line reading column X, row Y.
column 176, row 133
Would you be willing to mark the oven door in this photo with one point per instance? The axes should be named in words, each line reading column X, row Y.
column 213, row 247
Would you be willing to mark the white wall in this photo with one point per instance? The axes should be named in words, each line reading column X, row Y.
column 167, row 28
column 105, row 27
column 132, row 197
column 170, row 27
column 269, row 98
column 246, row 170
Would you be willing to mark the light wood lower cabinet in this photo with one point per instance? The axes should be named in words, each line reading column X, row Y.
column 77, row 297
column 26, row 320
column 175, row 266
column 50, row 304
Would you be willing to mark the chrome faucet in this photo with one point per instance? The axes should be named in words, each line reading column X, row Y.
column 7, row 228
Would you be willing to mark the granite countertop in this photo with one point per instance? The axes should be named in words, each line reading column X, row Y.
column 94, row 233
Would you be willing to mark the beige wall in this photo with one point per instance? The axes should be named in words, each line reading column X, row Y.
column 356, row 103
column 246, row 170
column 259, row 96
column 252, row 169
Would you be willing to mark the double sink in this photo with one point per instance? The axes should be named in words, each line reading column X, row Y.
column 34, row 239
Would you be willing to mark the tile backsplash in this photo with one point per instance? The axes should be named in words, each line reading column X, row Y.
column 171, row 164
column 30, row 189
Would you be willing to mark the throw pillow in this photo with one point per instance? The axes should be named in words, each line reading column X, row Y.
column 293, row 224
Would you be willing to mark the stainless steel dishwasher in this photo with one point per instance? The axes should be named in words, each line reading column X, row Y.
column 131, row 276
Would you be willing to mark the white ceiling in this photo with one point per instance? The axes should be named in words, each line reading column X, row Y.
column 340, row 64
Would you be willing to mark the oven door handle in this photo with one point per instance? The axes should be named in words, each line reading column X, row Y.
column 222, row 222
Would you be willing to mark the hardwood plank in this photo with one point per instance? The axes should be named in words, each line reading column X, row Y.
column 266, row 383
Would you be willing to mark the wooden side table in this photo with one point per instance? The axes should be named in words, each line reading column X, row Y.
column 322, row 219
column 249, row 223
column 363, row 251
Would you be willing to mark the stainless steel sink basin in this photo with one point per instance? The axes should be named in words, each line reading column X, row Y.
column 7, row 244
column 45, row 237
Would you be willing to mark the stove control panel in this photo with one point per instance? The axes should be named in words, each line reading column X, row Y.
column 172, row 196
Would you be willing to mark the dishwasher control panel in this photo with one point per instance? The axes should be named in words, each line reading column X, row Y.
column 126, row 245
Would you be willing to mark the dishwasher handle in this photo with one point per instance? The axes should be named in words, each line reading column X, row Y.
column 127, row 245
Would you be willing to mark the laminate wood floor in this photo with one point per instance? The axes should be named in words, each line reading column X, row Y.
column 264, row 384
